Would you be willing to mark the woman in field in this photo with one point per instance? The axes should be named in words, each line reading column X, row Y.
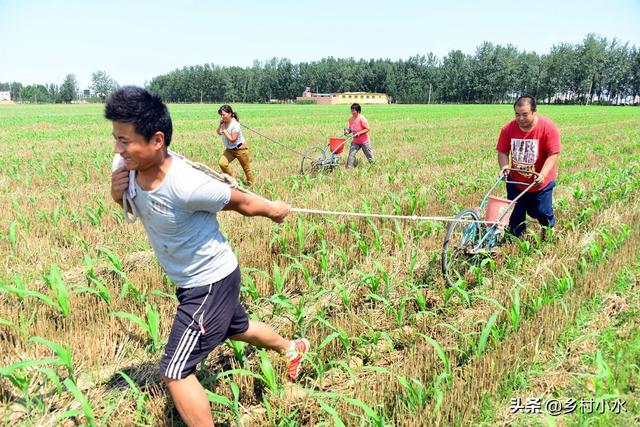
column 359, row 129
column 234, row 143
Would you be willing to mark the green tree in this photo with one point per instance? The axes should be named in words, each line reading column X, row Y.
column 69, row 89
column 36, row 94
column 634, row 74
column 456, row 77
column 529, row 74
column 102, row 84
column 495, row 73
column 591, row 62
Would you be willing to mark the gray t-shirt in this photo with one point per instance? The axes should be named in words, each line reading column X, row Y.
column 180, row 219
column 233, row 127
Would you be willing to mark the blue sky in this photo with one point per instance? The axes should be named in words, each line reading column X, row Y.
column 133, row 41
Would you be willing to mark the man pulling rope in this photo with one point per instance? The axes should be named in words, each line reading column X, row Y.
column 177, row 204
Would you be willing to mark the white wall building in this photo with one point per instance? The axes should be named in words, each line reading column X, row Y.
column 5, row 96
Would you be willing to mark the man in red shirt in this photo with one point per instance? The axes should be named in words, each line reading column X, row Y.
column 530, row 143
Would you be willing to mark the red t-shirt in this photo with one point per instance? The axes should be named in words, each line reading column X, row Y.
column 357, row 124
column 529, row 150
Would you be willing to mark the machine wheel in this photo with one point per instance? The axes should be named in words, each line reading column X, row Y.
column 458, row 255
column 313, row 162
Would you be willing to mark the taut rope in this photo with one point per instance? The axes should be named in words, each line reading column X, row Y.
column 233, row 183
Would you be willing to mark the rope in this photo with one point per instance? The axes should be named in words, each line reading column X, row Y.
column 274, row 141
column 389, row 216
column 233, row 183
column 219, row 176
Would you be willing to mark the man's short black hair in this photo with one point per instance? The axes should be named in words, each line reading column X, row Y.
column 525, row 99
column 356, row 106
column 144, row 109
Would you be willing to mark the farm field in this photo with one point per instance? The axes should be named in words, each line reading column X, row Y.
column 85, row 309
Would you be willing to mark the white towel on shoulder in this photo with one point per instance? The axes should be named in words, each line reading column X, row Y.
column 118, row 161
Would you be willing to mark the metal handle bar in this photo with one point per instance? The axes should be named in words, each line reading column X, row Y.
column 509, row 170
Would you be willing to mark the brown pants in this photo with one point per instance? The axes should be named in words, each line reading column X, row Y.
column 242, row 154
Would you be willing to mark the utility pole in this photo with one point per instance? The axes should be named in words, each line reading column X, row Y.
column 429, row 101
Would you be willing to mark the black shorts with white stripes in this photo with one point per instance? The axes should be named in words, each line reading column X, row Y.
column 206, row 317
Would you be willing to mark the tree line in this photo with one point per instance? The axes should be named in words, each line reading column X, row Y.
column 595, row 70
column 101, row 85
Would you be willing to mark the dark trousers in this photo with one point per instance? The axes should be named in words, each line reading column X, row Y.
column 536, row 204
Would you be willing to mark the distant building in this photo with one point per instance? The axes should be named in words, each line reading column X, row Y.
column 86, row 93
column 5, row 96
column 344, row 98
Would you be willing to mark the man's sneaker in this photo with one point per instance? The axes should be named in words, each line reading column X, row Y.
column 298, row 348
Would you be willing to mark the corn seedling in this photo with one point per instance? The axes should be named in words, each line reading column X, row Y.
column 54, row 281
column 335, row 417
column 268, row 377
column 515, row 312
column 415, row 394
column 458, row 288
column 441, row 354
column 141, row 398
column 343, row 337
column 345, row 296
column 59, row 290
column 322, row 256
column 280, row 239
column 150, row 325
column 279, row 278
column 95, row 215
column 398, row 234
column 13, row 235
column 342, row 256
column 52, row 376
column 86, row 408
column 118, row 214
column 601, row 378
column 371, row 415
column 101, row 290
column 369, row 280
column 377, row 240
column 483, row 340
column 18, row 290
column 64, row 354
column 280, row 303
column 420, row 300
column 306, row 274
column 525, row 247
column 248, row 285
column 22, row 380
column 238, row 348
column 233, row 405
column 162, row 294
column 116, row 267
column 438, row 392
column 399, row 311
column 267, row 374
